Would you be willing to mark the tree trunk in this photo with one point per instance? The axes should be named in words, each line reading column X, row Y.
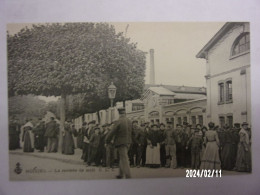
column 62, row 121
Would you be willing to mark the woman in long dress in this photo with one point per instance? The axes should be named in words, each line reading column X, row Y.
column 210, row 159
column 28, row 137
column 68, row 142
column 153, row 148
column 243, row 162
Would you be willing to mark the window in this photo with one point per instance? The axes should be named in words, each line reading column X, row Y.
column 221, row 92
column 230, row 121
column 185, row 119
column 170, row 101
column 193, row 120
column 137, row 106
column 200, row 120
column 221, row 121
column 225, row 91
column 172, row 120
column 179, row 120
column 229, row 91
column 241, row 44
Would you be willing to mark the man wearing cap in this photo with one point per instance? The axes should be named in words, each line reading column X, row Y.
column 139, row 138
column 132, row 151
column 80, row 136
column 170, row 146
column 122, row 132
column 133, row 156
column 93, row 146
column 195, row 144
column 178, row 133
column 187, row 151
column 161, row 133
column 101, row 154
column 145, row 131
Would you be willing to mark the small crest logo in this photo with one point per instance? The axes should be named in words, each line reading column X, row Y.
column 18, row 168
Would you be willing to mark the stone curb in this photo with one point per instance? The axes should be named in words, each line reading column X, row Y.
column 70, row 161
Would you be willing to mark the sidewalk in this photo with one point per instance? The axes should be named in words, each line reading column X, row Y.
column 72, row 159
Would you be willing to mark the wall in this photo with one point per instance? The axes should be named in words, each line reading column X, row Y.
column 221, row 66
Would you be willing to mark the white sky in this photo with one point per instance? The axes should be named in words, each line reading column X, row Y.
column 175, row 44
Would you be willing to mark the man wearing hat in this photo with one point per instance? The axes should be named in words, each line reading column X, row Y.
column 52, row 130
column 122, row 132
column 243, row 160
column 87, row 135
column 83, row 140
column 235, row 140
column 248, row 130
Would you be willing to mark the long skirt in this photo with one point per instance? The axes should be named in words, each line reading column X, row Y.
column 28, row 142
column 153, row 155
column 243, row 162
column 210, row 159
column 227, row 156
column 68, row 144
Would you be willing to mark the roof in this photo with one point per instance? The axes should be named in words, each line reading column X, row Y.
column 161, row 91
column 188, row 96
column 225, row 28
column 180, row 89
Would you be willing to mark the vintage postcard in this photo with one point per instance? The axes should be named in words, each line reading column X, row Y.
column 117, row 100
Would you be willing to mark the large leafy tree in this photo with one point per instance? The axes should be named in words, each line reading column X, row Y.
column 26, row 107
column 71, row 58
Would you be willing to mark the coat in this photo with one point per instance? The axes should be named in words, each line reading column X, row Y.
column 122, row 132
column 51, row 129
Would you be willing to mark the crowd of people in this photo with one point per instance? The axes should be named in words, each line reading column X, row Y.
column 152, row 145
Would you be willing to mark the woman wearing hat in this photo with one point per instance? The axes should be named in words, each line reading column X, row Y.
column 68, row 142
column 210, row 159
column 243, row 162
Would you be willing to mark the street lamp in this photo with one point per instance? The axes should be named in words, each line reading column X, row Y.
column 111, row 92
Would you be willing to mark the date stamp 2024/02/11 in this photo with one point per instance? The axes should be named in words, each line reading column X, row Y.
column 203, row 173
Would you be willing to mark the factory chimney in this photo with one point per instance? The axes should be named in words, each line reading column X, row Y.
column 152, row 73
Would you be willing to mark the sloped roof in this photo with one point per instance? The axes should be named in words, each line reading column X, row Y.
column 180, row 89
column 161, row 91
column 188, row 96
column 226, row 27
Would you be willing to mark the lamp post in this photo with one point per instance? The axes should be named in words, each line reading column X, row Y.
column 111, row 92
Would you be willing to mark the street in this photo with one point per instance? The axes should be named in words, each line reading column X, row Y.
column 34, row 168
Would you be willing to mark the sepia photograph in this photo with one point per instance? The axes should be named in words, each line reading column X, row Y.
column 129, row 100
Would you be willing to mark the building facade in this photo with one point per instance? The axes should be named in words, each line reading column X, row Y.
column 178, row 104
column 227, row 57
